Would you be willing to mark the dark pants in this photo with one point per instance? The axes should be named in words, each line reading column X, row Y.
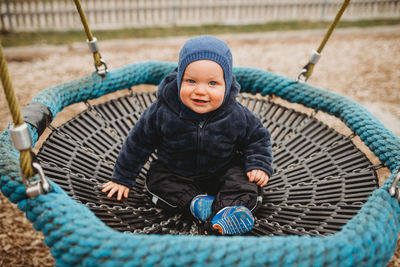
column 230, row 187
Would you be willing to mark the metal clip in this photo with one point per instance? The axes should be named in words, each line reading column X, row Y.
column 101, row 70
column 394, row 190
column 94, row 48
column 301, row 77
column 36, row 188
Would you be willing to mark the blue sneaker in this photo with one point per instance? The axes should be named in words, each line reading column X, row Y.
column 200, row 207
column 233, row 220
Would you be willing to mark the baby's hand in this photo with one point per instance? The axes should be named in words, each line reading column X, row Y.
column 114, row 187
column 259, row 177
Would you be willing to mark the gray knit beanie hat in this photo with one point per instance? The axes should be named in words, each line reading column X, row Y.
column 206, row 47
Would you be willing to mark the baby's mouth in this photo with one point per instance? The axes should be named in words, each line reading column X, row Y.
column 200, row 101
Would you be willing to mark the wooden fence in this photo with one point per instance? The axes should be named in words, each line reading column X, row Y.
column 34, row 15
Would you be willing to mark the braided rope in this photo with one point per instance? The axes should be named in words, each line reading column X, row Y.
column 309, row 67
column 85, row 23
column 25, row 155
column 333, row 25
column 77, row 238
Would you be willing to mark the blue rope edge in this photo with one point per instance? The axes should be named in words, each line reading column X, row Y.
column 77, row 237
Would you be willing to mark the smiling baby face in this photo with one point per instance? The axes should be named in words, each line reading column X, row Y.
column 203, row 86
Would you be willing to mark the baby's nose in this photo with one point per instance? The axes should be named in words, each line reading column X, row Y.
column 200, row 89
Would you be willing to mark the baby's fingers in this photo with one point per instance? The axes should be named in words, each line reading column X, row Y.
column 260, row 180
column 258, row 176
column 265, row 181
column 112, row 192
column 107, row 184
column 126, row 193
column 251, row 175
column 120, row 192
column 107, row 188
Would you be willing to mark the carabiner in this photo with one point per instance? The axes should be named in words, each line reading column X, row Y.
column 39, row 187
column 301, row 74
column 103, row 71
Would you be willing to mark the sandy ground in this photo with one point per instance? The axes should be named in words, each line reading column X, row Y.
column 362, row 64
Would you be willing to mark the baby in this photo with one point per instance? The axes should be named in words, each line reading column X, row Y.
column 213, row 155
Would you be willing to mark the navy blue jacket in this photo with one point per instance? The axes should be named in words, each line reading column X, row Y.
column 189, row 146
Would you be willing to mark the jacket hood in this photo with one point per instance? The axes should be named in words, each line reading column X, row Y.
column 168, row 93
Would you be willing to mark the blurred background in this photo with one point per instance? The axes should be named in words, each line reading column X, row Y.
column 45, row 45
column 155, row 18
column 34, row 15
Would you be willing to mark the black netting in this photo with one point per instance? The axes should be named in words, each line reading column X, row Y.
column 321, row 178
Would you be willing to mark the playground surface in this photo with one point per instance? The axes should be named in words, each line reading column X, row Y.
column 362, row 64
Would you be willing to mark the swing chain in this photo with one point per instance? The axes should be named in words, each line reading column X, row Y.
column 394, row 190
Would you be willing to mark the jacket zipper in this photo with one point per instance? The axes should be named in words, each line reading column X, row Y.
column 199, row 137
column 200, row 132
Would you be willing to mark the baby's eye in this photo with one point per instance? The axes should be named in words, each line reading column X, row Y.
column 190, row 81
column 213, row 83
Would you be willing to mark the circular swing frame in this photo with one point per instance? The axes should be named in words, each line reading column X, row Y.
column 321, row 178
column 76, row 237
